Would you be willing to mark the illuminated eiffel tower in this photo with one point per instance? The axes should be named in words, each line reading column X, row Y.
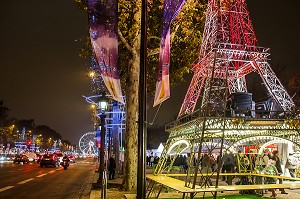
column 229, row 52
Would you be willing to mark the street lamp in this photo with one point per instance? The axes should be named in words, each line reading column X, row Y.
column 103, row 101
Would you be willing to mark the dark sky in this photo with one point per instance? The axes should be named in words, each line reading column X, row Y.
column 42, row 77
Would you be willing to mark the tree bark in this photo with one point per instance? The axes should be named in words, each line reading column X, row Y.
column 130, row 156
column 132, row 89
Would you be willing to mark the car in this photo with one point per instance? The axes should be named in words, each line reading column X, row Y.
column 71, row 158
column 59, row 155
column 49, row 159
column 10, row 157
column 38, row 158
column 20, row 158
column 3, row 157
column 31, row 156
column 7, row 157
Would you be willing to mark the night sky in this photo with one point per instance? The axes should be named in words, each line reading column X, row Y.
column 42, row 77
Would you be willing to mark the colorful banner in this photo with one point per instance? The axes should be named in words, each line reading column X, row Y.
column 103, row 21
column 171, row 10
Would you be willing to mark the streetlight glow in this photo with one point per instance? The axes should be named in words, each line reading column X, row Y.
column 92, row 74
column 103, row 101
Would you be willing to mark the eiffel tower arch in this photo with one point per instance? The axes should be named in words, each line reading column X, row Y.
column 229, row 52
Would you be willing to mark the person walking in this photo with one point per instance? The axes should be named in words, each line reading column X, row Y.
column 112, row 168
column 276, row 158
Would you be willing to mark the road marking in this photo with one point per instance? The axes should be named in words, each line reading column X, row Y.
column 24, row 181
column 51, row 171
column 5, row 188
column 41, row 175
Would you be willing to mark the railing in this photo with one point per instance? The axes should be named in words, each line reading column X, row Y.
column 235, row 113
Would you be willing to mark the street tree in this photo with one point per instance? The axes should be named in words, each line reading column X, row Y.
column 47, row 136
column 6, row 125
column 186, row 33
column 294, row 88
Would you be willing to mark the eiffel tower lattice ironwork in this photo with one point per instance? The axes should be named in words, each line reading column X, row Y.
column 229, row 52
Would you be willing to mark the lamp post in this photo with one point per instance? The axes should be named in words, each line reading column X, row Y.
column 103, row 101
column 142, row 129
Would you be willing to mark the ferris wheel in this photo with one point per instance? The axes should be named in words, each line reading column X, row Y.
column 87, row 143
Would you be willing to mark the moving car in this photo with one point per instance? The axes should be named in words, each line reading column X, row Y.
column 31, row 156
column 6, row 157
column 49, row 159
column 38, row 158
column 20, row 158
column 59, row 155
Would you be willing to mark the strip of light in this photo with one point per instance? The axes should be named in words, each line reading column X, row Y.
column 177, row 143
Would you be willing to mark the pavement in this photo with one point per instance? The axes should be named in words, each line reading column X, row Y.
column 113, row 192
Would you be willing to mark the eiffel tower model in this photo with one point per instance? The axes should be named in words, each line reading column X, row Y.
column 228, row 118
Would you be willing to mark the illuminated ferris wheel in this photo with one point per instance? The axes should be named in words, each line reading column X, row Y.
column 87, row 143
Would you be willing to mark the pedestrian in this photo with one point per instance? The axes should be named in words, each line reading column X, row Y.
column 151, row 160
column 266, row 156
column 277, row 160
column 181, row 162
column 271, row 169
column 185, row 163
column 228, row 165
column 112, row 168
column 291, row 164
column 148, row 160
column 243, row 165
column 206, row 163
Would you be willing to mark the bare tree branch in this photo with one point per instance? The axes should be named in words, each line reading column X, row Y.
column 153, row 51
column 173, row 33
column 124, row 41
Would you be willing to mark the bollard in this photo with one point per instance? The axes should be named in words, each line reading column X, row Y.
column 104, row 185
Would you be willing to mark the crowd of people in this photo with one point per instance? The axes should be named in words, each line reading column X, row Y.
column 269, row 163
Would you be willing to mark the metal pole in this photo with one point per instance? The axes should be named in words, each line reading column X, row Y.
column 142, row 129
column 102, row 146
column 98, row 135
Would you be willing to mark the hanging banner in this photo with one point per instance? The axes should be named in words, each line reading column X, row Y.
column 103, row 21
column 171, row 10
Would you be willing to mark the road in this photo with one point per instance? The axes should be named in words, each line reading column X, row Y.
column 22, row 181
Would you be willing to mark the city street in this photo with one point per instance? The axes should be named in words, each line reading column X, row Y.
column 31, row 181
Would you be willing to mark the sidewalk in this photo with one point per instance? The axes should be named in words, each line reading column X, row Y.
column 113, row 192
column 113, row 187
